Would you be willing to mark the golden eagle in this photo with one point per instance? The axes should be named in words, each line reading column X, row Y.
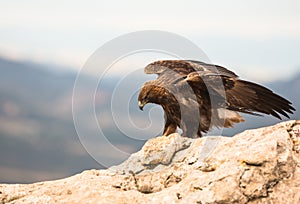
column 197, row 96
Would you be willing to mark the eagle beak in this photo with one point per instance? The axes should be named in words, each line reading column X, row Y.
column 141, row 105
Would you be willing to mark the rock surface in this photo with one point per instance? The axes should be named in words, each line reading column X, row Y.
column 256, row 166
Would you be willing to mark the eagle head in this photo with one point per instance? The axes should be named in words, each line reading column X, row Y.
column 144, row 96
column 150, row 93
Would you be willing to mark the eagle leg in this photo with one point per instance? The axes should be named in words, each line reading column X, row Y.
column 170, row 127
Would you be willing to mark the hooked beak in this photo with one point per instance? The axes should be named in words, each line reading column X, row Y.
column 141, row 105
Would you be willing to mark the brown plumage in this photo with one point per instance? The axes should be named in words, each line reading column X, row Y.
column 197, row 96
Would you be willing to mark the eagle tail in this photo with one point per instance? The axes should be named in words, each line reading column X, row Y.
column 225, row 118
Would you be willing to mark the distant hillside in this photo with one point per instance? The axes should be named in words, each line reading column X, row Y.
column 36, row 127
column 38, row 138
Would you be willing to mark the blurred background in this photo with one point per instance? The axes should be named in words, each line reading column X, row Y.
column 43, row 45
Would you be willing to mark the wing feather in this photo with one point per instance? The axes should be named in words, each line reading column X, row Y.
column 201, row 66
column 185, row 67
column 240, row 95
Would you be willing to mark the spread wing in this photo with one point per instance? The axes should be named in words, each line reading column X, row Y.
column 220, row 84
column 240, row 95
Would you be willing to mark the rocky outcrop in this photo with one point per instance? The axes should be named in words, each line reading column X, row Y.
column 256, row 166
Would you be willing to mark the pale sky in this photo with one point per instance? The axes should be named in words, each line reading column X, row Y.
column 259, row 40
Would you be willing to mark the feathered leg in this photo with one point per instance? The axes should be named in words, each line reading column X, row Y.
column 169, row 127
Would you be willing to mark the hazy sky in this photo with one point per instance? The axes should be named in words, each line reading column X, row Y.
column 259, row 40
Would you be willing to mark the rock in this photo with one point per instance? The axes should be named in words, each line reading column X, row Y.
column 255, row 166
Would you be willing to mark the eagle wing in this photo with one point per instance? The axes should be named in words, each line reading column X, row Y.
column 185, row 67
column 219, row 83
column 242, row 96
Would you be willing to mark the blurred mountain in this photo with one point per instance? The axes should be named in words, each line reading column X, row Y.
column 38, row 138
column 36, row 129
column 37, row 133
